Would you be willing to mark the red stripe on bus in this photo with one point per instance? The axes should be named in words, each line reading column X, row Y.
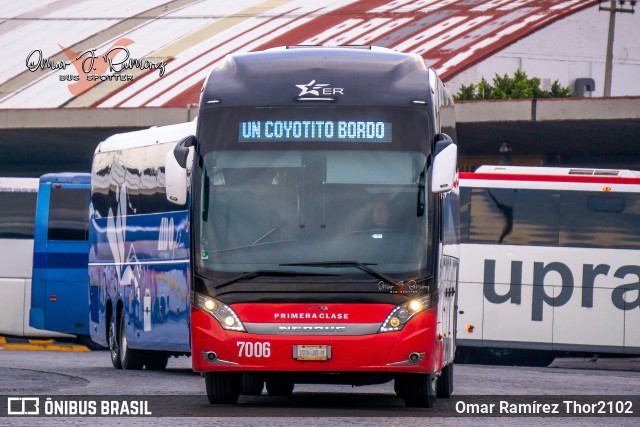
column 549, row 178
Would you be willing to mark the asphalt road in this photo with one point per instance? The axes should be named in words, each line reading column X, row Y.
column 177, row 396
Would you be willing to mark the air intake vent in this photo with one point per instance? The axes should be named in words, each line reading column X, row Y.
column 581, row 172
column 594, row 172
column 606, row 173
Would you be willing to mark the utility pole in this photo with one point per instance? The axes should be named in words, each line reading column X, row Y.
column 612, row 9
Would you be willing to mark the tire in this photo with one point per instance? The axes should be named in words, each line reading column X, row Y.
column 417, row 390
column 445, row 382
column 280, row 388
column 156, row 360
column 223, row 387
column 113, row 343
column 251, row 385
column 129, row 358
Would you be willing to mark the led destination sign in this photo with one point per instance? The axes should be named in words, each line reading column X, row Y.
column 314, row 130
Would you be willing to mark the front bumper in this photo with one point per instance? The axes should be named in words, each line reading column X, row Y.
column 378, row 352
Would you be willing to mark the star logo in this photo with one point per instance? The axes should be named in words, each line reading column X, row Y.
column 311, row 88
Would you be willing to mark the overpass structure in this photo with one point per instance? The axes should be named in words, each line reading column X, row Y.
column 586, row 132
column 598, row 132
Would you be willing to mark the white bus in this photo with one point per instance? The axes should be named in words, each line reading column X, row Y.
column 550, row 260
column 17, row 219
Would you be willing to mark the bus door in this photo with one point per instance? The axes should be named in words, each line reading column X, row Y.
column 448, row 278
column 60, row 294
column 447, row 306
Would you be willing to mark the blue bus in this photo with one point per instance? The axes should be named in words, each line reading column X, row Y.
column 59, row 291
column 138, row 251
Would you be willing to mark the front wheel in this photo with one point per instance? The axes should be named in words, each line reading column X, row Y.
column 417, row 390
column 129, row 358
column 223, row 387
column 445, row 382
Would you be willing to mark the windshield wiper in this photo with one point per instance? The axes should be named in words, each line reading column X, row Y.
column 358, row 265
column 268, row 233
column 273, row 273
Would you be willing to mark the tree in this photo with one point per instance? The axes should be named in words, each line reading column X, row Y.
column 517, row 86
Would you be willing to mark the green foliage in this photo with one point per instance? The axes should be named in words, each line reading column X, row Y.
column 517, row 86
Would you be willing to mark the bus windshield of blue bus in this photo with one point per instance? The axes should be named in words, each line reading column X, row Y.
column 313, row 200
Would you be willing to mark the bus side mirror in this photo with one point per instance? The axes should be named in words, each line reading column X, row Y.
column 443, row 174
column 175, row 169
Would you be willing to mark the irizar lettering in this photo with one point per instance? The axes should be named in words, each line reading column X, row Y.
column 311, row 328
column 623, row 297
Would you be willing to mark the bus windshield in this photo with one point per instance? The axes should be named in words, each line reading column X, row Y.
column 308, row 204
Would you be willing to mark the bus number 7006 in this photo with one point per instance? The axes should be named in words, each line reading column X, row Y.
column 254, row 349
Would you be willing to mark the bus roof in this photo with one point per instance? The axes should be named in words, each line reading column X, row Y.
column 26, row 185
column 535, row 170
column 142, row 138
column 67, row 178
column 551, row 178
column 350, row 75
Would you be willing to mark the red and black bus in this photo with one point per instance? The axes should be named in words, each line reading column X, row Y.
column 324, row 223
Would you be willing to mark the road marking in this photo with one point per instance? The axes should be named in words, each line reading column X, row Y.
column 45, row 347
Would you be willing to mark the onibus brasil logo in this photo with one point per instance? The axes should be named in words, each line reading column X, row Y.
column 92, row 68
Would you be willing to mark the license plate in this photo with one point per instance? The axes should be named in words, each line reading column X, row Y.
column 312, row 352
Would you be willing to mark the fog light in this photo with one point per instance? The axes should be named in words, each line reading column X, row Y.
column 229, row 321
column 210, row 305
column 395, row 322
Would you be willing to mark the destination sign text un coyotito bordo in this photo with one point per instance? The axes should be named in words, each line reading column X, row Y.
column 314, row 130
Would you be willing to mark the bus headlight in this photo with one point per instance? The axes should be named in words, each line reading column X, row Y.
column 224, row 314
column 401, row 314
column 210, row 305
column 415, row 306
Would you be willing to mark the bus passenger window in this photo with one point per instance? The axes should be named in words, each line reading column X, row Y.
column 465, row 214
column 18, row 213
column 605, row 204
column 597, row 221
column 514, row 217
column 68, row 214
